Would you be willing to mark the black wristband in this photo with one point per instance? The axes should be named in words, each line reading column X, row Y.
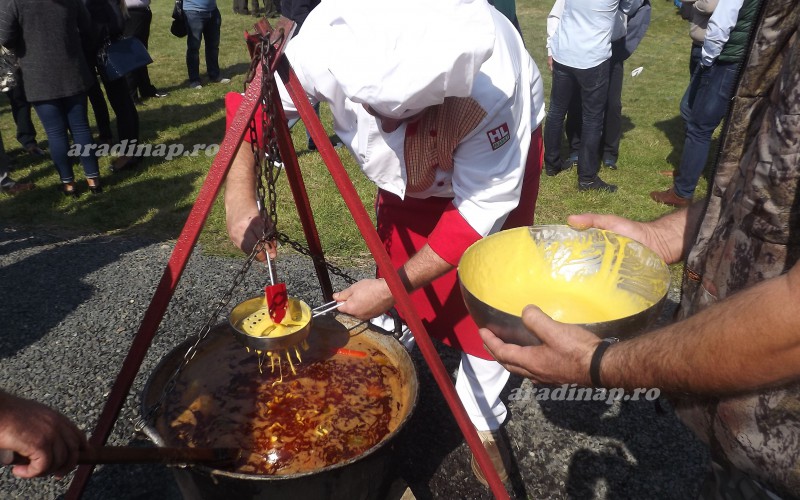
column 597, row 357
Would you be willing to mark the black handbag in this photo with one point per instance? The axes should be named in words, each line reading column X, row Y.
column 121, row 56
column 178, row 27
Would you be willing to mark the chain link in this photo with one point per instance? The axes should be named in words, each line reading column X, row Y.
column 299, row 248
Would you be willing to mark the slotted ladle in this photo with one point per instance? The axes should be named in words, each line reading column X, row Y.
column 296, row 311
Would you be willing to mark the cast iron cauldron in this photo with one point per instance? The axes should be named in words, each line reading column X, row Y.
column 364, row 477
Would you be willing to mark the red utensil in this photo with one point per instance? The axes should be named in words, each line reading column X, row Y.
column 275, row 294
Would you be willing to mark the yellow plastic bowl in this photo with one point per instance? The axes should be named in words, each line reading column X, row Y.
column 611, row 284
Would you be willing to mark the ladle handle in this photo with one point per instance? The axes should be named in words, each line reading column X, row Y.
column 324, row 308
column 135, row 455
column 273, row 272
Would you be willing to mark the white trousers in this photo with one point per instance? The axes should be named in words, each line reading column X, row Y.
column 478, row 384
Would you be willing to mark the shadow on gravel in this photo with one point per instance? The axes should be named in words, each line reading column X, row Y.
column 49, row 284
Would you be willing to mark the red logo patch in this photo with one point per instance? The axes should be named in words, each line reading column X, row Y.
column 498, row 136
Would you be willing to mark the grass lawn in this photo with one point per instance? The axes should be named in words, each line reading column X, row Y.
column 155, row 198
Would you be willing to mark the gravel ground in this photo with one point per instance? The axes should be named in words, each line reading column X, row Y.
column 72, row 305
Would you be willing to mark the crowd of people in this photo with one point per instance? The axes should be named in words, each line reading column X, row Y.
column 59, row 50
column 456, row 139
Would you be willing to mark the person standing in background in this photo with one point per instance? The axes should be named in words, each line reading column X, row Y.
column 240, row 7
column 627, row 35
column 709, row 93
column 107, row 23
column 55, row 76
column 581, row 53
column 137, row 25
column 21, row 110
column 203, row 21
column 697, row 12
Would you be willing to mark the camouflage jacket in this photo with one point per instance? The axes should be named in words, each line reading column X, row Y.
column 751, row 232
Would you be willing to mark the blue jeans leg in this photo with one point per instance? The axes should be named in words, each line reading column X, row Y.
column 561, row 94
column 689, row 96
column 59, row 116
column 594, row 94
column 714, row 91
column 54, row 120
column 78, row 119
column 195, row 22
column 211, row 32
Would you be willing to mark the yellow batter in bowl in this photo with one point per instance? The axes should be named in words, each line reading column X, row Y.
column 581, row 277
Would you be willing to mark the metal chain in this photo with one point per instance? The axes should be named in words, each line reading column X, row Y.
column 299, row 248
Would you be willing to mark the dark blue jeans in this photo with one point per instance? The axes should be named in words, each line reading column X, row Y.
column 707, row 100
column 592, row 85
column 612, row 122
column 203, row 25
column 59, row 116
column 691, row 90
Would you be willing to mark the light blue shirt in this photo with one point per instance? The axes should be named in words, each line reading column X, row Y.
column 200, row 5
column 583, row 37
column 719, row 29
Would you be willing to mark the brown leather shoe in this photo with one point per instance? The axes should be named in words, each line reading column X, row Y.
column 13, row 188
column 496, row 444
column 667, row 173
column 669, row 197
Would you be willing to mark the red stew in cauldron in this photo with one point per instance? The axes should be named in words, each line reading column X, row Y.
column 333, row 409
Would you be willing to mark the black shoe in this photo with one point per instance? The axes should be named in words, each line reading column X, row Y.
column 95, row 188
column 596, row 185
column 68, row 189
column 124, row 163
column 552, row 171
column 612, row 164
column 34, row 150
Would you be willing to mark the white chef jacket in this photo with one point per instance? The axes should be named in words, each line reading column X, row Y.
column 489, row 162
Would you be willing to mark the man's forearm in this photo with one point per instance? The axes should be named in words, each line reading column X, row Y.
column 748, row 341
column 421, row 269
column 240, row 184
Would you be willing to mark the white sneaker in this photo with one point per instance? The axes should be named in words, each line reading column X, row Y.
column 195, row 85
column 222, row 80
